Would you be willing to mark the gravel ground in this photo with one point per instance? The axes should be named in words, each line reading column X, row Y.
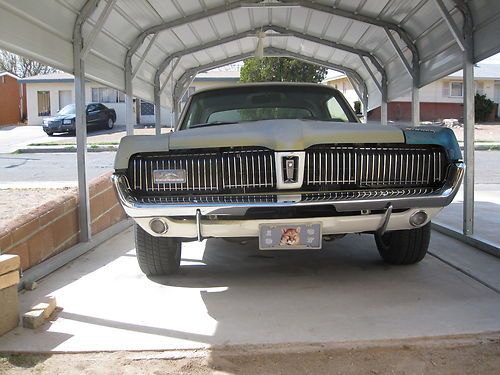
column 471, row 355
column 16, row 202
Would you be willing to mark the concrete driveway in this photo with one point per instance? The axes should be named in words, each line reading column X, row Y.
column 227, row 294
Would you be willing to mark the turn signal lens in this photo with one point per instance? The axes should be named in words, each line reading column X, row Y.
column 418, row 218
column 159, row 226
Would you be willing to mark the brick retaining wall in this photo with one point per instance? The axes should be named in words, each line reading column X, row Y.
column 53, row 227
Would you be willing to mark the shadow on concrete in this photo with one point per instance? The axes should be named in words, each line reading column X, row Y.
column 486, row 219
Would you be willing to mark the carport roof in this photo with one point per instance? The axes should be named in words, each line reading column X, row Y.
column 334, row 31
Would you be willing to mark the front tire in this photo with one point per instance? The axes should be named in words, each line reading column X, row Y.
column 110, row 123
column 402, row 247
column 157, row 255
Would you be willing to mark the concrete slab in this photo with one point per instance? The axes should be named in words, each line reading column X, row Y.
column 229, row 294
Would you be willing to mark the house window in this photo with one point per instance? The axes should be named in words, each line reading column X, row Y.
column 147, row 108
column 43, row 103
column 107, row 95
column 456, row 89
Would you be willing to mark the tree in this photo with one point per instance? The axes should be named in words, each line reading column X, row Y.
column 280, row 69
column 22, row 66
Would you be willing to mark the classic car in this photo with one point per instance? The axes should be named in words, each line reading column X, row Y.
column 97, row 114
column 289, row 165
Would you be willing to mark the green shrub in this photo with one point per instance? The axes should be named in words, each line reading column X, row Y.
column 483, row 107
column 357, row 107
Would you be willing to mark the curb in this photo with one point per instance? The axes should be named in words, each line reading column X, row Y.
column 108, row 148
column 53, row 149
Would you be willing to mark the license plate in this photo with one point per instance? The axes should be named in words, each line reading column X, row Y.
column 290, row 236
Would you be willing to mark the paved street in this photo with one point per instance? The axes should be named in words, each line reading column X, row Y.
column 39, row 170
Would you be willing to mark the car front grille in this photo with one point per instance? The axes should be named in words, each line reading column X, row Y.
column 333, row 167
column 239, row 175
column 227, row 171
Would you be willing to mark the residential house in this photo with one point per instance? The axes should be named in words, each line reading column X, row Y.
column 47, row 94
column 438, row 100
column 12, row 99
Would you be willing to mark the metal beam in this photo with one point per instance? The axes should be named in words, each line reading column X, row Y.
column 367, row 67
column 356, row 16
column 143, row 57
column 89, row 41
column 452, row 26
column 180, row 86
column 80, row 120
column 172, row 69
column 399, row 52
column 405, row 36
column 279, row 30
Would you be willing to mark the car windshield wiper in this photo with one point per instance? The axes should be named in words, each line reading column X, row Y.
column 213, row 123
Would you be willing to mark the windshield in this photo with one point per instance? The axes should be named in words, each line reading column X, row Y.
column 67, row 110
column 266, row 102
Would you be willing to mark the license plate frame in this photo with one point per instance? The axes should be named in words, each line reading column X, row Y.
column 296, row 236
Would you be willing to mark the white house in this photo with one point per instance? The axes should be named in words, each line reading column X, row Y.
column 438, row 100
column 47, row 94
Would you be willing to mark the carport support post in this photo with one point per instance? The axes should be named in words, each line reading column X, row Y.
column 81, row 134
column 383, row 105
column 157, row 107
column 415, row 103
column 469, row 120
column 129, row 102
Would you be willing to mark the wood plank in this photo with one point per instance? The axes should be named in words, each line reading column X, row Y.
column 9, row 262
column 9, row 279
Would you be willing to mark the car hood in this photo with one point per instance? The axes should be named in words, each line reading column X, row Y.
column 278, row 135
column 284, row 135
column 60, row 118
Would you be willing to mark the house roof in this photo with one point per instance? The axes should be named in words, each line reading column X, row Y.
column 482, row 71
column 218, row 75
column 9, row 74
column 49, row 78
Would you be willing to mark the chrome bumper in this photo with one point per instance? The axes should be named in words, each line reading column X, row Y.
column 136, row 209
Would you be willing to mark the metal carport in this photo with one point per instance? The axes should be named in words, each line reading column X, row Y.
column 152, row 48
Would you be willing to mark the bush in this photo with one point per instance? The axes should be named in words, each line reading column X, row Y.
column 483, row 107
column 357, row 107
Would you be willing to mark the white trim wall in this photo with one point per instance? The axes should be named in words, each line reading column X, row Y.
column 55, row 87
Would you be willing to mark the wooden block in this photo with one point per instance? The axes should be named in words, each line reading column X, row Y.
column 9, row 311
column 9, row 279
column 9, row 262
column 47, row 307
column 33, row 319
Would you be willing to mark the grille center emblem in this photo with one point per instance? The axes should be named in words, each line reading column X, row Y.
column 290, row 166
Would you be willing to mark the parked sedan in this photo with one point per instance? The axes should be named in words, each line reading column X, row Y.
column 97, row 115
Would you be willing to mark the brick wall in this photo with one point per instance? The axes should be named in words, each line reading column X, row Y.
column 401, row 111
column 53, row 227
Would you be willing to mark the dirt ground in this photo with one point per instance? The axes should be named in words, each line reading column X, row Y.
column 17, row 202
column 483, row 133
column 476, row 355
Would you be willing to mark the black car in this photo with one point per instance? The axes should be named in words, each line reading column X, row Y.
column 97, row 115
